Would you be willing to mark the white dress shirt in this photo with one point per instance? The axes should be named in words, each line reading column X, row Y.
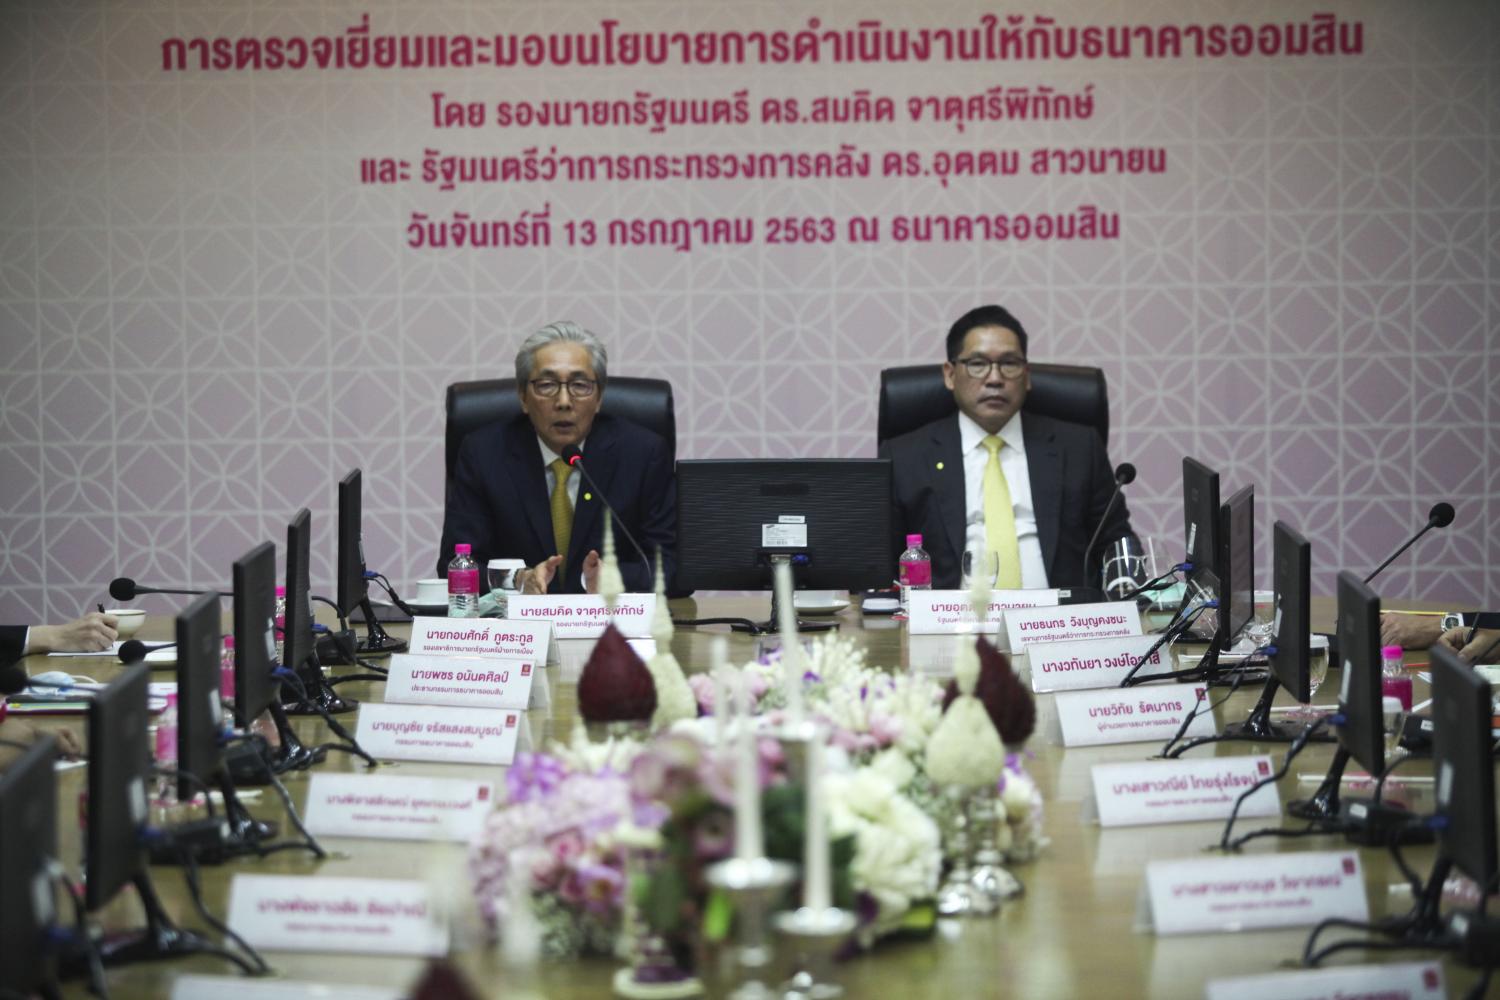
column 1017, row 477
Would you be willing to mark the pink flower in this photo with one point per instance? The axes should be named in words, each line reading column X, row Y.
column 703, row 691
column 599, row 887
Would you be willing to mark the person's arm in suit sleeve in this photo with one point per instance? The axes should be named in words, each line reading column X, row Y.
column 12, row 643
column 466, row 517
column 657, row 528
column 1101, row 487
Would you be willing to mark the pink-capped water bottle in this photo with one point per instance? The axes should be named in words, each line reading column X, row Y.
column 226, row 672
column 463, row 583
column 1395, row 682
column 914, row 570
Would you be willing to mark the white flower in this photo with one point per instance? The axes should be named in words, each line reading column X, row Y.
column 582, row 756
column 894, row 766
column 897, row 853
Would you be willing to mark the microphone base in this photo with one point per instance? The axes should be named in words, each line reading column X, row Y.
column 383, row 646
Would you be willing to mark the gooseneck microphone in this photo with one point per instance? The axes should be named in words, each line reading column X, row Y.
column 1440, row 516
column 134, row 650
column 123, row 588
column 574, row 457
column 1124, row 476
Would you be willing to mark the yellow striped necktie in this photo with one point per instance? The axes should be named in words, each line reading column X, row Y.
column 1000, row 518
column 562, row 509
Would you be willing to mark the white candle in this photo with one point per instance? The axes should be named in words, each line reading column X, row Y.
column 817, row 888
column 791, row 649
column 747, row 833
column 718, row 671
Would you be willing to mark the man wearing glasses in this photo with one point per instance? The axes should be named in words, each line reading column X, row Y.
column 1030, row 489
column 514, row 496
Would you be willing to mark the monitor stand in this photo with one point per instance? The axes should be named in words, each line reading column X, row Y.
column 240, row 834
column 377, row 642
column 320, row 691
column 293, row 754
column 160, row 939
column 1259, row 728
column 1361, row 820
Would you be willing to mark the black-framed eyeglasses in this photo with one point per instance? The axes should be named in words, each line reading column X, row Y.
column 979, row 368
column 578, row 388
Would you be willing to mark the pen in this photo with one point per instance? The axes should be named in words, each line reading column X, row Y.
column 101, row 607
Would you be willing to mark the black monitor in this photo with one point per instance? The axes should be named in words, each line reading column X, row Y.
column 1291, row 571
column 1236, row 565
column 119, row 763
column 353, row 588
column 28, row 844
column 1462, row 766
column 830, row 518
column 1363, row 731
column 296, row 642
column 200, row 713
column 1201, row 514
column 254, row 633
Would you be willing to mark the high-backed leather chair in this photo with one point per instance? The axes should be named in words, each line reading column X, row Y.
column 472, row 405
column 914, row 395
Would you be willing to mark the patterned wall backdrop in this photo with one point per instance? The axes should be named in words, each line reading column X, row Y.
column 1277, row 230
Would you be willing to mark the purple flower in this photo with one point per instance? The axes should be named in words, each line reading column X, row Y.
column 703, row 692
column 599, row 887
column 533, row 776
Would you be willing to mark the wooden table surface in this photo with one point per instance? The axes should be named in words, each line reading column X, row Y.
column 1072, row 934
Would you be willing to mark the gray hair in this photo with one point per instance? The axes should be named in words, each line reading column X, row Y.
column 562, row 330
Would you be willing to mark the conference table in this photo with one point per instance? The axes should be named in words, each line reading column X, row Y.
column 1073, row 933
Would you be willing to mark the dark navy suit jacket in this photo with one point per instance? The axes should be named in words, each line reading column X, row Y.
column 12, row 641
column 499, row 502
column 1071, row 482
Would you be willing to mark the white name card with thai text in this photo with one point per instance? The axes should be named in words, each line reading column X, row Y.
column 1093, row 663
column 316, row 913
column 584, row 616
column 1072, row 621
column 530, row 640
column 477, row 681
column 388, row 807
column 1181, row 791
column 1403, row 981
column 441, row 733
column 1153, row 712
column 944, row 612
column 1197, row 895
column 196, row 987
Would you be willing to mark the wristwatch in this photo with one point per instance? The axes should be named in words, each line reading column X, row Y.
column 1451, row 620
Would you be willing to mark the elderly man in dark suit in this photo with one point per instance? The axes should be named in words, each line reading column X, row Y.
column 514, row 495
column 1029, row 488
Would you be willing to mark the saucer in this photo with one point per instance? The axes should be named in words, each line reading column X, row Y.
column 825, row 606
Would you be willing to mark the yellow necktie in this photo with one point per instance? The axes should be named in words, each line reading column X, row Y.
column 562, row 509
column 1000, row 518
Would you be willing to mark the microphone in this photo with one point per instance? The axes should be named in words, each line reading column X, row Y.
column 13, row 680
column 134, row 650
column 1124, row 476
column 123, row 588
column 1440, row 516
column 574, row 457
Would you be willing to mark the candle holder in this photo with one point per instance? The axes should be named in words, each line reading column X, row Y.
column 753, row 885
column 990, row 876
column 957, row 897
column 652, row 972
column 815, row 936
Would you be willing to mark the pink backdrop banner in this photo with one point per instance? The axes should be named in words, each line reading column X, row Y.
column 246, row 247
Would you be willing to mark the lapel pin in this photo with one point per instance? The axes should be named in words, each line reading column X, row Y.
column 588, row 496
column 940, row 466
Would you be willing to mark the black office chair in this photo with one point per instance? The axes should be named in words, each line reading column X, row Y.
column 914, row 395
column 472, row 405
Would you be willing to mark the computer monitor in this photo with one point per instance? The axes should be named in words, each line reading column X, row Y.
column 296, row 642
column 28, row 843
column 830, row 518
column 1201, row 514
column 254, row 633
column 119, row 763
column 200, row 713
column 1236, row 565
column 1363, row 731
column 353, row 589
column 1291, row 571
column 1462, row 765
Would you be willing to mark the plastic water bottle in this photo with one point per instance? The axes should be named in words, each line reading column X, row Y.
column 463, row 584
column 166, row 735
column 915, row 570
column 1395, row 682
column 226, row 672
column 280, row 621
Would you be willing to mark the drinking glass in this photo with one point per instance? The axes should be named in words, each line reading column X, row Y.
column 985, row 562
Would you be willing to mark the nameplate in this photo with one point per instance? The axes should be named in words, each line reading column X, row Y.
column 388, row 807
column 1199, row 895
column 944, row 612
column 1070, row 622
column 196, row 987
column 316, row 913
column 483, row 637
column 1182, row 791
column 584, row 616
column 466, row 681
column 1094, row 663
column 1401, row 981
column 1130, row 715
column 432, row 732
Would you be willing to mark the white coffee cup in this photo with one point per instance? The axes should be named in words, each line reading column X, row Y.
column 432, row 592
column 129, row 621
